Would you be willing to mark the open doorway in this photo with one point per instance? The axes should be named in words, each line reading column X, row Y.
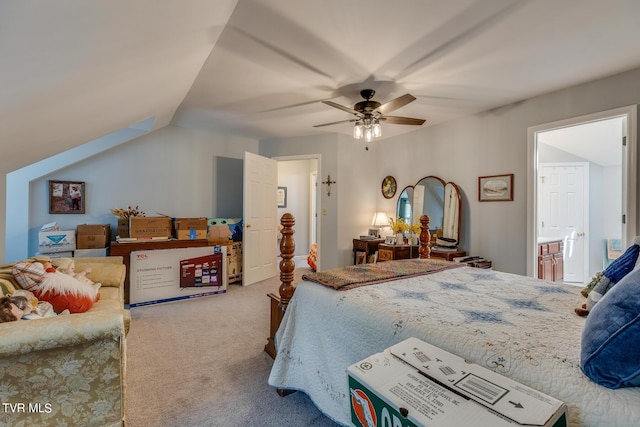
column 581, row 190
column 297, row 178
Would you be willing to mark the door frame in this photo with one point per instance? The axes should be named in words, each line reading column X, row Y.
column 318, row 158
column 629, row 175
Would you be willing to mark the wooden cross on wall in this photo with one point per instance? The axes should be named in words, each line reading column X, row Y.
column 328, row 182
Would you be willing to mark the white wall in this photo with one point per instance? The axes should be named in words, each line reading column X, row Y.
column 169, row 171
column 491, row 143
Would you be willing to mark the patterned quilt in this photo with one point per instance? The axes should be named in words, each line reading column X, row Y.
column 520, row 327
column 354, row 276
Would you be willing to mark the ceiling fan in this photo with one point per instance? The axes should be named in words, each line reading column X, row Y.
column 370, row 113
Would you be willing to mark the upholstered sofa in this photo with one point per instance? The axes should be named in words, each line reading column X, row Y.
column 67, row 370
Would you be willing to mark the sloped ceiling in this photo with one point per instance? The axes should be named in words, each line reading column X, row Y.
column 74, row 71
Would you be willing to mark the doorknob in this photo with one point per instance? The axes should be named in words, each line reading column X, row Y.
column 248, row 225
column 580, row 234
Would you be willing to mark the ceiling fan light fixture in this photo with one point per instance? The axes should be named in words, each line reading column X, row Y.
column 358, row 130
column 377, row 129
column 368, row 134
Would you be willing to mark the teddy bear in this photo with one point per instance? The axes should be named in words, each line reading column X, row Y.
column 602, row 282
column 62, row 291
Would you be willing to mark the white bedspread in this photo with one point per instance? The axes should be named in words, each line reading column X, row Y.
column 523, row 328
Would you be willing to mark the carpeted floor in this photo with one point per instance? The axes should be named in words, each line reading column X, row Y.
column 201, row 362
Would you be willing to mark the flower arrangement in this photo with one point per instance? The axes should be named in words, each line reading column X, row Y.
column 415, row 228
column 128, row 212
column 398, row 225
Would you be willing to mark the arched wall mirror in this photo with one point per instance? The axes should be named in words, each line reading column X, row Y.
column 434, row 197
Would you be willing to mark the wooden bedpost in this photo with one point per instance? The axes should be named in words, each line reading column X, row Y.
column 425, row 237
column 280, row 302
column 287, row 265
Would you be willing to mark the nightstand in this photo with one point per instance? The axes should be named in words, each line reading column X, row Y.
column 364, row 249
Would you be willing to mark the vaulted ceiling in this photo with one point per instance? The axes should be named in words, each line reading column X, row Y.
column 75, row 71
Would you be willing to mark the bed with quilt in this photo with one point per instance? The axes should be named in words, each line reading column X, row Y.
column 523, row 328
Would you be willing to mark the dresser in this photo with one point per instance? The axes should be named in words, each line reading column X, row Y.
column 387, row 252
column 551, row 260
column 363, row 249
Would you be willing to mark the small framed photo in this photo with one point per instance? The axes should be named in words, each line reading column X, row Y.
column 282, row 197
column 495, row 188
column 67, row 197
column 374, row 232
column 390, row 240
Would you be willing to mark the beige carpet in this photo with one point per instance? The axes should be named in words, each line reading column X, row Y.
column 201, row 362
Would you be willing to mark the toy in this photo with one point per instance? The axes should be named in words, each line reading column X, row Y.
column 62, row 291
column 68, row 266
column 13, row 308
column 9, row 312
column 601, row 283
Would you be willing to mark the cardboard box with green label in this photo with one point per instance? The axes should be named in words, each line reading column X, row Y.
column 414, row 384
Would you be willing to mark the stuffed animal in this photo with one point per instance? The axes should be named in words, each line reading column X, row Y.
column 62, row 291
column 68, row 266
column 601, row 283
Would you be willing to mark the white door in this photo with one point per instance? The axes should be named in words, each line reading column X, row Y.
column 563, row 213
column 259, row 244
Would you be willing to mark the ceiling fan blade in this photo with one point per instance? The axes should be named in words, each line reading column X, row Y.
column 394, row 120
column 335, row 123
column 343, row 108
column 394, row 104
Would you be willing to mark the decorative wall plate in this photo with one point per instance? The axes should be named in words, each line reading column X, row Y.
column 389, row 187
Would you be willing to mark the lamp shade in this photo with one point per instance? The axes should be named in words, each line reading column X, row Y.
column 380, row 219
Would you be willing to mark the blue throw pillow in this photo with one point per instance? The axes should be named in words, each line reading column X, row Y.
column 611, row 336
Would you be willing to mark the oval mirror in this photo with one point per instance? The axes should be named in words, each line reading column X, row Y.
column 404, row 207
column 451, row 212
column 433, row 197
column 428, row 198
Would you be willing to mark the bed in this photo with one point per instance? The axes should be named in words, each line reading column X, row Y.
column 521, row 327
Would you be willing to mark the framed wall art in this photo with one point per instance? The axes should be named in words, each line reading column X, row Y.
column 389, row 187
column 495, row 188
column 282, row 197
column 66, row 197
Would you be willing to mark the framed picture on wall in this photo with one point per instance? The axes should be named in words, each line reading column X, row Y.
column 66, row 197
column 389, row 187
column 282, row 197
column 495, row 188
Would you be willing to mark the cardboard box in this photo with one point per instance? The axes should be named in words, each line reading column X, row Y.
column 416, row 384
column 66, row 254
column 123, row 227
column 234, row 268
column 190, row 228
column 56, row 241
column 147, row 227
column 89, row 253
column 93, row 236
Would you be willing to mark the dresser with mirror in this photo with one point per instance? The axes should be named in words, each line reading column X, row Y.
column 441, row 201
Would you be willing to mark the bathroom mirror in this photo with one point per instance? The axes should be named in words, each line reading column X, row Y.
column 434, row 197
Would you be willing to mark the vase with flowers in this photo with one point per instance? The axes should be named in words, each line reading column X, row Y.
column 399, row 227
column 414, row 233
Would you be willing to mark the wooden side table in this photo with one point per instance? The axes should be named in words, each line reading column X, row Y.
column 368, row 247
column 388, row 252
